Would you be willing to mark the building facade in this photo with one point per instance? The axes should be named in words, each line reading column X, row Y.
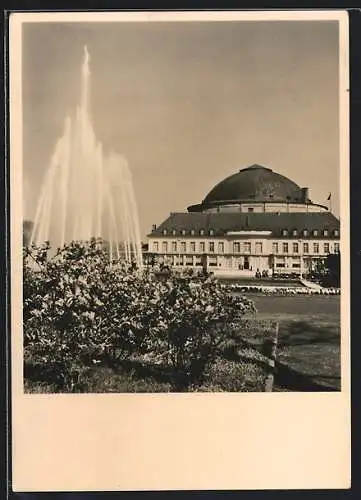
column 255, row 221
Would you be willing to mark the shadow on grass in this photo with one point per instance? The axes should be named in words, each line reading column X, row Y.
column 286, row 378
column 292, row 380
column 298, row 333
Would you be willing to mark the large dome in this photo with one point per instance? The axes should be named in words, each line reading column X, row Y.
column 255, row 184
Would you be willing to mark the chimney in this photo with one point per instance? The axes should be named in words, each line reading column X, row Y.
column 305, row 197
column 154, row 227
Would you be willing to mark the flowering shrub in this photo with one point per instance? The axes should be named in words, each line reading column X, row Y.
column 80, row 309
column 187, row 327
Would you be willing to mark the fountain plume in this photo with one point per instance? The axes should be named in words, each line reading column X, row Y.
column 86, row 194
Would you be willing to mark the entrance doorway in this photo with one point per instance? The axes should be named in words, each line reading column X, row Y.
column 246, row 263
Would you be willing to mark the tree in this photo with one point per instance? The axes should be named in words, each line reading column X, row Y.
column 333, row 264
column 327, row 271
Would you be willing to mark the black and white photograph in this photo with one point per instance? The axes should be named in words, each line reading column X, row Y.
column 182, row 206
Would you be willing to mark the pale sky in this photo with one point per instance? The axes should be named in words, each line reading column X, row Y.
column 189, row 103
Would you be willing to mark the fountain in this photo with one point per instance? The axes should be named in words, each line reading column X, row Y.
column 86, row 194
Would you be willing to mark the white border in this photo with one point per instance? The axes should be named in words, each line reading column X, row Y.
column 164, row 442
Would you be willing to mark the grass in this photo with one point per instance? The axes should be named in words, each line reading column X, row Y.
column 234, row 376
column 308, row 352
column 223, row 376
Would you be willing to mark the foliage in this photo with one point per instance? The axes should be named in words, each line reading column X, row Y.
column 81, row 310
column 328, row 271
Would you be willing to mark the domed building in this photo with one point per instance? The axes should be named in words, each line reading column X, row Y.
column 255, row 221
column 257, row 189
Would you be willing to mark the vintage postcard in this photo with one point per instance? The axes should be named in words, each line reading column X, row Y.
column 180, row 250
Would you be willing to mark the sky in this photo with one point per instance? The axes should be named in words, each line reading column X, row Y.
column 188, row 104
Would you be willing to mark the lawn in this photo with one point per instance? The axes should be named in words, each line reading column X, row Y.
column 308, row 354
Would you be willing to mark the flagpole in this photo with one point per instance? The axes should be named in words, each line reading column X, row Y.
column 330, row 202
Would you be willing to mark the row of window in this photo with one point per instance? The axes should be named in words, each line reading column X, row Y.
column 245, row 247
column 314, row 232
column 183, row 232
column 186, row 260
column 174, row 248
column 285, row 232
column 305, row 248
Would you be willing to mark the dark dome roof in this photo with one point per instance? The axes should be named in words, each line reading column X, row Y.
column 255, row 183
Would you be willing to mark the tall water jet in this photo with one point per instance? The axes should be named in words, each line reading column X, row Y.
column 86, row 194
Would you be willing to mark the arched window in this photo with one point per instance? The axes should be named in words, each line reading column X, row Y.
column 211, row 232
column 315, row 232
column 164, row 232
column 192, row 232
column 284, row 232
column 174, row 232
column 201, row 232
column 305, row 232
column 295, row 232
column 183, row 232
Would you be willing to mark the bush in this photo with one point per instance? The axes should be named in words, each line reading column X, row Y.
column 187, row 325
column 80, row 310
column 71, row 305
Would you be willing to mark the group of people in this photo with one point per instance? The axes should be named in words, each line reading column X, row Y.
column 263, row 274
